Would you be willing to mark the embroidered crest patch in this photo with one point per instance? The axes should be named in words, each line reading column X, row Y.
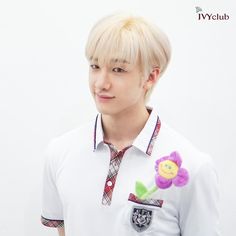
column 141, row 218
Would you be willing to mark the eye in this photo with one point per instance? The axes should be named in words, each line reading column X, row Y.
column 94, row 66
column 118, row 69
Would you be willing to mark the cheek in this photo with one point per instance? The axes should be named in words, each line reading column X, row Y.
column 91, row 81
column 91, row 85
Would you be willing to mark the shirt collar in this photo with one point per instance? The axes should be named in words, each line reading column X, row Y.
column 144, row 141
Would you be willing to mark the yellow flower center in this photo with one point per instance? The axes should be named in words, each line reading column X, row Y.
column 168, row 169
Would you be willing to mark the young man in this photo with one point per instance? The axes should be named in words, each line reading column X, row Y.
column 92, row 173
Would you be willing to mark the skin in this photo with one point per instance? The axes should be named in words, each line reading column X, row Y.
column 61, row 231
column 125, row 114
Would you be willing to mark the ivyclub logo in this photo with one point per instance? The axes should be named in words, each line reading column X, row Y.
column 210, row 16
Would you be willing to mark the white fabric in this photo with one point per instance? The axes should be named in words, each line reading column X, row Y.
column 75, row 174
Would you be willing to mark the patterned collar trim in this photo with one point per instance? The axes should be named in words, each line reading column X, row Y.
column 154, row 136
column 144, row 141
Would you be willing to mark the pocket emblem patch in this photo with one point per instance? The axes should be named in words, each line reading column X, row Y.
column 141, row 218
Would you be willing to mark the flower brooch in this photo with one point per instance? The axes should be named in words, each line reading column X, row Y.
column 168, row 172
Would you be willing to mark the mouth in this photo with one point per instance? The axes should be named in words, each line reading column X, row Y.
column 168, row 173
column 102, row 98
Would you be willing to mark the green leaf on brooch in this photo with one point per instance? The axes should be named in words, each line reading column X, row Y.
column 140, row 189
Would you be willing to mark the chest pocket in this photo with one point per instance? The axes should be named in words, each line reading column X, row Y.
column 141, row 217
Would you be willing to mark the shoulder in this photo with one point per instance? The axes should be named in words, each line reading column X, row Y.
column 193, row 159
column 78, row 134
column 72, row 140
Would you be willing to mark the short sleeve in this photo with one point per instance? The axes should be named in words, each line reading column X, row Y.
column 199, row 211
column 52, row 212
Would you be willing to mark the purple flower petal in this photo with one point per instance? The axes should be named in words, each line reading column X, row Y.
column 162, row 159
column 182, row 178
column 175, row 157
column 162, row 182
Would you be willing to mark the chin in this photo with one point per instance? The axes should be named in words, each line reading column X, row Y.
column 103, row 110
column 107, row 110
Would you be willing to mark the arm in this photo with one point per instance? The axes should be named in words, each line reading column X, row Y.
column 199, row 213
column 51, row 213
column 61, row 231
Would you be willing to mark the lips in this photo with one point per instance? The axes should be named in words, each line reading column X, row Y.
column 103, row 98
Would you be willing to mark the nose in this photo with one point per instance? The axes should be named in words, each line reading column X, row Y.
column 103, row 80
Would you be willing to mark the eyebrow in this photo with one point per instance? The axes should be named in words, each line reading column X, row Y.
column 120, row 61
column 113, row 60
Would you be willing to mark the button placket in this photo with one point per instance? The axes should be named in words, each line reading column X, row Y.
column 115, row 161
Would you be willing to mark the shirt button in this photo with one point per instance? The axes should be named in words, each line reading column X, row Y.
column 109, row 183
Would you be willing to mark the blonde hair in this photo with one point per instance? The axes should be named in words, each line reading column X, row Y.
column 129, row 38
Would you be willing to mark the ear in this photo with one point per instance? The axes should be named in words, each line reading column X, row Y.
column 152, row 78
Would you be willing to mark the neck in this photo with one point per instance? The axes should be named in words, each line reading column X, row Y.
column 124, row 128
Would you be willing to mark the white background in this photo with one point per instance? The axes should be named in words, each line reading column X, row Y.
column 44, row 93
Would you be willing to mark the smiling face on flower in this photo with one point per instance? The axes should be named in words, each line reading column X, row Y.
column 168, row 169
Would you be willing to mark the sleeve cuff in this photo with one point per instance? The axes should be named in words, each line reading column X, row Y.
column 52, row 223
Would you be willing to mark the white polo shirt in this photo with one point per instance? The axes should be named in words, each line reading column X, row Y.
column 89, row 186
